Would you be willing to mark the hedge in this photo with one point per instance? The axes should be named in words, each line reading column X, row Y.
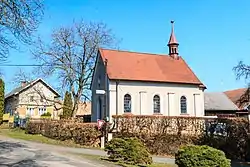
column 163, row 135
column 85, row 134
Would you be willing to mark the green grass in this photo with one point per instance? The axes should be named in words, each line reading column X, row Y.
column 105, row 161
column 20, row 134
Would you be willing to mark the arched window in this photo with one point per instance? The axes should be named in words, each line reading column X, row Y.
column 127, row 103
column 157, row 104
column 183, row 105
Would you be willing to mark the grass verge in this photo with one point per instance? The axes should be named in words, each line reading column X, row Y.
column 105, row 161
column 20, row 134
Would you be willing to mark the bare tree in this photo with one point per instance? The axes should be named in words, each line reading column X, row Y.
column 20, row 76
column 71, row 55
column 242, row 70
column 18, row 20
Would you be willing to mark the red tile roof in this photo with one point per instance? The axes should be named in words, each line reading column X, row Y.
column 125, row 65
column 236, row 95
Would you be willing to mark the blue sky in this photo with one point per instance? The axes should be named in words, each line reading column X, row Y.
column 213, row 35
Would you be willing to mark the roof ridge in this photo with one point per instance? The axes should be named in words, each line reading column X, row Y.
column 232, row 90
column 135, row 52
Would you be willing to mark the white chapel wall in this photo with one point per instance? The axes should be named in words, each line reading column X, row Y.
column 142, row 94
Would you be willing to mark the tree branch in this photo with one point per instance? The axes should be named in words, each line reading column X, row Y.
column 71, row 54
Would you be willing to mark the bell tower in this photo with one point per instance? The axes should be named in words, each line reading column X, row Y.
column 173, row 44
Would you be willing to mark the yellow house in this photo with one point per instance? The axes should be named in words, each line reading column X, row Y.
column 31, row 99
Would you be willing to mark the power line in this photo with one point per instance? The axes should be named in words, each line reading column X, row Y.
column 22, row 65
column 37, row 65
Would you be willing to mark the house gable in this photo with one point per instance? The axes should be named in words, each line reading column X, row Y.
column 97, row 83
column 40, row 92
column 98, row 73
column 95, row 69
column 20, row 89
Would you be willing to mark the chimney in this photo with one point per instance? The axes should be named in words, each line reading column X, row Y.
column 23, row 83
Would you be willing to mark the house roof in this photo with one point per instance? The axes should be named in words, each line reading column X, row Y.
column 236, row 95
column 218, row 101
column 19, row 89
column 125, row 65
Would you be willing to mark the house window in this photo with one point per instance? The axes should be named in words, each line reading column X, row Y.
column 183, row 105
column 42, row 110
column 157, row 104
column 30, row 111
column 127, row 103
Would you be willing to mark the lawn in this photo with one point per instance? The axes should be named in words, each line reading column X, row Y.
column 105, row 161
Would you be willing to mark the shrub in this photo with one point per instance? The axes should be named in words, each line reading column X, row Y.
column 34, row 127
column 201, row 156
column 47, row 114
column 67, row 105
column 129, row 151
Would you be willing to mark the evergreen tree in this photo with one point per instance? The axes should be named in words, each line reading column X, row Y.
column 67, row 105
column 1, row 100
